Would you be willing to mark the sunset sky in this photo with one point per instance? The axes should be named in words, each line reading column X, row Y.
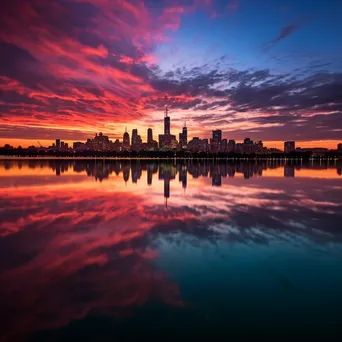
column 264, row 69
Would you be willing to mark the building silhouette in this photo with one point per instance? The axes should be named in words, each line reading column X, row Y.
column 134, row 136
column 136, row 141
column 183, row 137
column 216, row 140
column 217, row 136
column 231, row 146
column 125, row 140
column 167, row 123
column 289, row 146
column 100, row 142
column 167, row 140
column 149, row 136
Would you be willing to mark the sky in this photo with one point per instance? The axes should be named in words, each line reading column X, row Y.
column 264, row 69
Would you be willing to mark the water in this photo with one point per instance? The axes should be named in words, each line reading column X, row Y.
column 123, row 251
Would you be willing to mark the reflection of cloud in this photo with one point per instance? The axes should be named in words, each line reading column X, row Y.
column 90, row 252
column 92, row 246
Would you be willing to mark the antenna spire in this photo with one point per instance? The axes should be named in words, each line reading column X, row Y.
column 166, row 111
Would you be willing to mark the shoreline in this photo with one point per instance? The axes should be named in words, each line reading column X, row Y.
column 3, row 158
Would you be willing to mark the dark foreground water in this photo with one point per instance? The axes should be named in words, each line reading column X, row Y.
column 120, row 251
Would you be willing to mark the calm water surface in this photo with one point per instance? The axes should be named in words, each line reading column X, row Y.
column 127, row 251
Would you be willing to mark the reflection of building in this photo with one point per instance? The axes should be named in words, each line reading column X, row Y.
column 289, row 171
column 183, row 176
column 215, row 175
column 136, row 171
column 151, row 169
column 58, row 169
column 125, row 173
column 231, row 170
column 167, row 172
column 289, row 146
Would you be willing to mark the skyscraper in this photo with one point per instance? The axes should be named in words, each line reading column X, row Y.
column 58, row 144
column 126, row 139
column 167, row 140
column 224, row 145
column 247, row 146
column 248, row 141
column 217, row 136
column 167, row 129
column 134, row 136
column 231, row 145
column 289, row 146
column 183, row 137
column 101, row 142
column 149, row 136
column 216, row 140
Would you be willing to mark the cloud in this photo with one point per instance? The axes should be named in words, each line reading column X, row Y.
column 96, row 70
column 246, row 101
column 285, row 32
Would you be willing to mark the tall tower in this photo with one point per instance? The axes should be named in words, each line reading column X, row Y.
column 126, row 138
column 134, row 136
column 166, row 122
column 149, row 136
column 185, row 133
column 217, row 136
column 289, row 146
column 183, row 137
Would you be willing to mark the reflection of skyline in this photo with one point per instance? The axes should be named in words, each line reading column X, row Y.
column 167, row 171
column 101, row 237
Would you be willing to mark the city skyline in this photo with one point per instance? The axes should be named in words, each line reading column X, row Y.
column 168, row 141
column 170, row 170
column 218, row 143
column 249, row 69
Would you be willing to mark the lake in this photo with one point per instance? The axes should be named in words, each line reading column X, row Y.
column 178, row 250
